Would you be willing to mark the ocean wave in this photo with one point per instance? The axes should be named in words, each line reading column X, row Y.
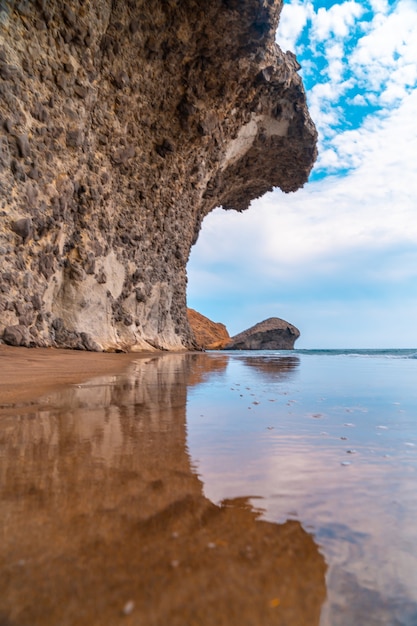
column 362, row 353
column 391, row 353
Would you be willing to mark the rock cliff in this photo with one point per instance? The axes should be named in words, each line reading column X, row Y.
column 122, row 124
column 271, row 334
column 209, row 335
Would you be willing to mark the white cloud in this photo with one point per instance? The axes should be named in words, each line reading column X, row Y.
column 346, row 53
column 324, row 92
column 380, row 139
column 358, row 100
column 336, row 21
column 384, row 60
column 379, row 6
column 293, row 19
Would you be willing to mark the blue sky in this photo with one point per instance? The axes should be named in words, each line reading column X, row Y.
column 337, row 258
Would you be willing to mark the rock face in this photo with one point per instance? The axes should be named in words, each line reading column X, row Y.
column 271, row 334
column 208, row 335
column 122, row 124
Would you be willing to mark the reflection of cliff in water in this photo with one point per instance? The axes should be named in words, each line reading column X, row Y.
column 272, row 366
column 102, row 511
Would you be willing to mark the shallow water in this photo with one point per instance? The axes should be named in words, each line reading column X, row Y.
column 220, row 488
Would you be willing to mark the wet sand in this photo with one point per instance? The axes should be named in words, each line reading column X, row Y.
column 28, row 373
column 104, row 519
column 208, row 489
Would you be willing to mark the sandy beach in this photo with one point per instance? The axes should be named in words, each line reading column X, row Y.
column 27, row 373
column 104, row 518
column 218, row 488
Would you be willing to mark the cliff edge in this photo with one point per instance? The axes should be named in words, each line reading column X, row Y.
column 122, row 124
column 209, row 335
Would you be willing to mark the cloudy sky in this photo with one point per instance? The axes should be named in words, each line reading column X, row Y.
column 339, row 257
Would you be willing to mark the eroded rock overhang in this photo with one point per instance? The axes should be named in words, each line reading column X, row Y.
column 122, row 124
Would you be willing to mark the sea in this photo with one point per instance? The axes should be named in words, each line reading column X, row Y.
column 319, row 445
column 329, row 438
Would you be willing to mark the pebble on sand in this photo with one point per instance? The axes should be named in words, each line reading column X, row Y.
column 128, row 607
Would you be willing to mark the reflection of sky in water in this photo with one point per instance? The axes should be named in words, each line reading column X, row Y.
column 101, row 510
column 331, row 441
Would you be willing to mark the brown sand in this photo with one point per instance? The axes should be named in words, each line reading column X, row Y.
column 27, row 373
column 103, row 516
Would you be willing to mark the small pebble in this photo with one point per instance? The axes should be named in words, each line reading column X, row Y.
column 345, row 463
column 128, row 607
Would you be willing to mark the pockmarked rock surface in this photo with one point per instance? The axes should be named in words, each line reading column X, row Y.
column 122, row 124
column 271, row 334
column 209, row 335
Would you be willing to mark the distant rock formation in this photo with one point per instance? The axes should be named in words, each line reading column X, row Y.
column 123, row 123
column 271, row 334
column 209, row 335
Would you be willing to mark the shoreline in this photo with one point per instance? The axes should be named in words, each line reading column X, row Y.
column 28, row 373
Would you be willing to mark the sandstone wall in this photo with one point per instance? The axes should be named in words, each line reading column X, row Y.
column 209, row 335
column 122, row 124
